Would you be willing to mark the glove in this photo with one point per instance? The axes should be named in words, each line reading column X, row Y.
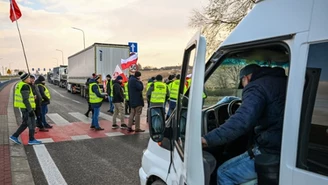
column 31, row 114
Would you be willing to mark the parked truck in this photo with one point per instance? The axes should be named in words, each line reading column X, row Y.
column 60, row 76
column 100, row 58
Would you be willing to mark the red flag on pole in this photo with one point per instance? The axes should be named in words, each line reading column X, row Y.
column 126, row 63
column 15, row 12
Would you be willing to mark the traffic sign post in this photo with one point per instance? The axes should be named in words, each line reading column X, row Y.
column 133, row 47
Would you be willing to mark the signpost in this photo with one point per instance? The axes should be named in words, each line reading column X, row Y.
column 133, row 47
column 9, row 72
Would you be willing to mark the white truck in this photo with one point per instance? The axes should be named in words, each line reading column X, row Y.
column 100, row 58
column 289, row 34
column 60, row 75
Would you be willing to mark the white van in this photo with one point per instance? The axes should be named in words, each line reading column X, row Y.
column 290, row 34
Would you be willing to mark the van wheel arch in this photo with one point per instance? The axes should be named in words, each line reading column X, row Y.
column 154, row 180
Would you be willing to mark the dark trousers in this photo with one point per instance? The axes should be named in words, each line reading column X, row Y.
column 27, row 122
column 89, row 109
column 127, row 107
column 38, row 117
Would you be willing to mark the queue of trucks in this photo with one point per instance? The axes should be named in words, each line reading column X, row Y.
column 99, row 58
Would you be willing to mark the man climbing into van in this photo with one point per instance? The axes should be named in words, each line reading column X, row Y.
column 261, row 114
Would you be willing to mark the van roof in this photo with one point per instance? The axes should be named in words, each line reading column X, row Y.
column 272, row 18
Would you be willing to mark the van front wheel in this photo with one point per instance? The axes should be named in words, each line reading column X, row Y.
column 158, row 182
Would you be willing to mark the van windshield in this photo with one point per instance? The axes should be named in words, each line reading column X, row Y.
column 222, row 84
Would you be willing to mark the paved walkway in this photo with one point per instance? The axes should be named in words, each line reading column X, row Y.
column 14, row 167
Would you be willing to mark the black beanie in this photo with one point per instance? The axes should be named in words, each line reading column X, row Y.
column 137, row 74
column 23, row 76
column 41, row 78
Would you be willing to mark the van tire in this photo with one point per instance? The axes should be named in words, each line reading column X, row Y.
column 158, row 182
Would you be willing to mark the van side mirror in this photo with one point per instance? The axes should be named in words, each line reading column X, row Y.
column 156, row 120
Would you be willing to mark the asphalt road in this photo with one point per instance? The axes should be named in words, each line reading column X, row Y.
column 94, row 161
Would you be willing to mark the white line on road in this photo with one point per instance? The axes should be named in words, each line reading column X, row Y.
column 80, row 137
column 106, row 116
column 57, row 119
column 49, row 168
column 111, row 134
column 81, row 117
column 76, row 101
column 56, row 92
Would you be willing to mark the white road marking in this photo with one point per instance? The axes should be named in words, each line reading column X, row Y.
column 111, row 134
column 56, row 92
column 49, row 168
column 80, row 137
column 57, row 119
column 106, row 116
column 81, row 117
column 76, row 101
column 46, row 140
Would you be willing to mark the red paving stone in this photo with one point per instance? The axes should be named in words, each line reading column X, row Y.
column 65, row 132
column 4, row 98
column 5, row 169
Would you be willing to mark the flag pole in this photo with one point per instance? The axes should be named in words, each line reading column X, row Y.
column 20, row 36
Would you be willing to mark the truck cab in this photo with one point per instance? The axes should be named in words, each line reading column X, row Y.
column 290, row 35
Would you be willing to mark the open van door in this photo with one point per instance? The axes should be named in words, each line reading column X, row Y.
column 187, row 158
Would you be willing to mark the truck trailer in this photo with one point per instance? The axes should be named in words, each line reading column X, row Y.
column 99, row 58
column 60, row 75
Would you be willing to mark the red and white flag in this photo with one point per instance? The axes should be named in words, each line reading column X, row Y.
column 126, row 63
column 119, row 72
column 15, row 12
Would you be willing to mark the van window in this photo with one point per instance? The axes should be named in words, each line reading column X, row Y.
column 313, row 137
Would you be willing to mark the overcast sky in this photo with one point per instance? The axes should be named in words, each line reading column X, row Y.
column 160, row 28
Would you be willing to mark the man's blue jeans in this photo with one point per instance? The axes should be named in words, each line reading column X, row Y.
column 44, row 111
column 95, row 117
column 111, row 105
column 172, row 105
column 237, row 170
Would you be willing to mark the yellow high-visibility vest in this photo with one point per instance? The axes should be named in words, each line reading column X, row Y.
column 159, row 93
column 111, row 87
column 174, row 89
column 93, row 98
column 18, row 100
column 188, row 86
column 126, row 90
column 148, row 85
column 46, row 91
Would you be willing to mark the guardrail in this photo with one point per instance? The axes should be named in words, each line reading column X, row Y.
column 4, row 83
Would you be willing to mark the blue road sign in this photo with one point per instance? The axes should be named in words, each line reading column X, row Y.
column 133, row 47
column 32, row 69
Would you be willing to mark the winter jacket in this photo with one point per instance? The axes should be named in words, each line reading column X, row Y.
column 118, row 92
column 37, row 93
column 45, row 99
column 135, row 92
column 96, row 91
column 25, row 91
column 261, row 112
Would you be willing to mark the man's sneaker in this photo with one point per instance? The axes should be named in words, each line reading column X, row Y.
column 43, row 130
column 34, row 142
column 47, row 126
column 130, row 129
column 139, row 130
column 92, row 126
column 115, row 126
column 124, row 126
column 15, row 140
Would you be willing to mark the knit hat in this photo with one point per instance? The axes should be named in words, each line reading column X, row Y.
column 41, row 78
column 137, row 74
column 23, row 76
column 119, row 78
column 108, row 76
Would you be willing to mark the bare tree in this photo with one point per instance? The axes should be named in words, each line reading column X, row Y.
column 218, row 19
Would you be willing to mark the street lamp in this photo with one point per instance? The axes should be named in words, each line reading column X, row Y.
column 62, row 55
column 56, row 59
column 83, row 35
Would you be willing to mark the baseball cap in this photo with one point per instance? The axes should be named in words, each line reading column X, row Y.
column 249, row 69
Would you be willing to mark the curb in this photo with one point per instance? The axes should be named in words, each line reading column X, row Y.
column 20, row 168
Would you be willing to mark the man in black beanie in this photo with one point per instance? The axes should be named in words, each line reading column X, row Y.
column 45, row 93
column 25, row 100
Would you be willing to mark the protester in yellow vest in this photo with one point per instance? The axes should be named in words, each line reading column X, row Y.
column 45, row 94
column 95, row 99
column 109, row 90
column 25, row 100
column 127, row 103
column 174, row 91
column 158, row 92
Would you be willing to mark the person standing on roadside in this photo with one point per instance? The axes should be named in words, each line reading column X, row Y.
column 118, row 99
column 87, row 97
column 136, row 101
column 25, row 100
column 45, row 94
column 109, row 90
column 38, row 101
column 158, row 93
column 95, row 99
column 127, row 103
